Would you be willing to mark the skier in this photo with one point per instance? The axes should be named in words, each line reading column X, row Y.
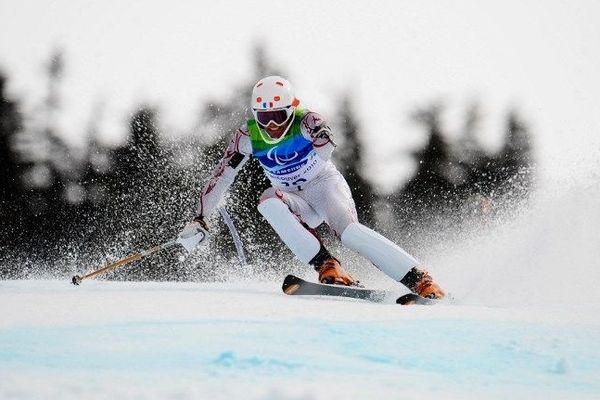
column 294, row 147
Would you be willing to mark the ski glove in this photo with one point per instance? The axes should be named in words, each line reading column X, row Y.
column 193, row 234
column 322, row 135
column 322, row 140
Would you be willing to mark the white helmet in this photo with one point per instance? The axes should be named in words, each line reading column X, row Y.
column 273, row 101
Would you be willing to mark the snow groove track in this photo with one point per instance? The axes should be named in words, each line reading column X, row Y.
column 231, row 340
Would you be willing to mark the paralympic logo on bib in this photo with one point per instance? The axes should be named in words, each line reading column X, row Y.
column 273, row 156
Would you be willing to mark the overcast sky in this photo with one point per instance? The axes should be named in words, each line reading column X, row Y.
column 541, row 57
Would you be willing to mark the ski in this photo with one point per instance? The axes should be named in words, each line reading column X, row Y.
column 411, row 298
column 292, row 285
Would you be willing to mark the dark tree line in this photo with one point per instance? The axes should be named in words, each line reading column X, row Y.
column 350, row 160
column 67, row 211
column 458, row 183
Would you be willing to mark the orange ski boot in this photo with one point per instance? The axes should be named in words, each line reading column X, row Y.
column 331, row 272
column 420, row 282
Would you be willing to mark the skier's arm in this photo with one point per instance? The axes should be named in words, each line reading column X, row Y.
column 237, row 153
column 315, row 129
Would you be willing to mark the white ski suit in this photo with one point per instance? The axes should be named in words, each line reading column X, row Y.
column 306, row 189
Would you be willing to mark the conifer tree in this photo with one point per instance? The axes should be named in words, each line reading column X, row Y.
column 350, row 161
column 10, row 124
column 430, row 190
column 515, row 159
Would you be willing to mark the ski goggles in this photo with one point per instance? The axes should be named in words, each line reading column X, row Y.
column 278, row 117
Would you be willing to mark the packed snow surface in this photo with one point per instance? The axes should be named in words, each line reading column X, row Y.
column 248, row 340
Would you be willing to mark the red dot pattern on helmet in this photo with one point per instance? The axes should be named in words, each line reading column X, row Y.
column 258, row 99
column 276, row 98
column 279, row 83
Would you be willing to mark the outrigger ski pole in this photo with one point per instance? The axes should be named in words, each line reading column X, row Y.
column 76, row 280
column 189, row 242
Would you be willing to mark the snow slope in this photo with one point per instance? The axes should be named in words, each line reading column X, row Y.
column 525, row 325
column 236, row 340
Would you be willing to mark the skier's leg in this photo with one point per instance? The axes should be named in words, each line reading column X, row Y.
column 386, row 255
column 333, row 201
column 336, row 206
column 331, row 198
column 285, row 213
column 391, row 259
column 298, row 206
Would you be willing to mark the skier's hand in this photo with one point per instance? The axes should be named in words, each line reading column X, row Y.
column 193, row 234
column 322, row 135
column 322, row 140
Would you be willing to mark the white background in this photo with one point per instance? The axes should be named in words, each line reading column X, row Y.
column 391, row 56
